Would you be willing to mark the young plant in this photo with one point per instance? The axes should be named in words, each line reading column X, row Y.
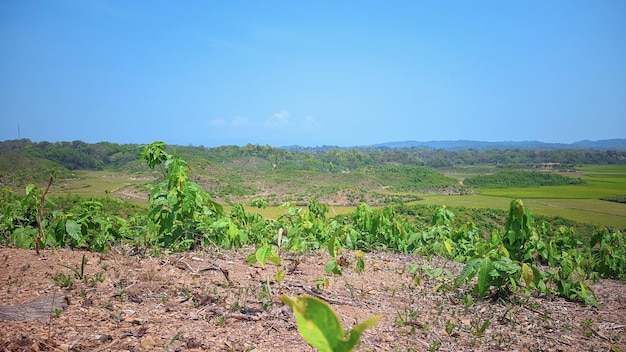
column 360, row 262
column 63, row 280
column 79, row 273
column 320, row 327
column 266, row 254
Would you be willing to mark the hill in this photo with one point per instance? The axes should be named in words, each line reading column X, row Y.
column 18, row 170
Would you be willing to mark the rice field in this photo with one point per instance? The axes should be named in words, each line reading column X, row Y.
column 576, row 202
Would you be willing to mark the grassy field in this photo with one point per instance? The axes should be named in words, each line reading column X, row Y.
column 577, row 202
column 102, row 183
column 583, row 210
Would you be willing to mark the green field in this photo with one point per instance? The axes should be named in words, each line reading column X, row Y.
column 102, row 183
column 576, row 202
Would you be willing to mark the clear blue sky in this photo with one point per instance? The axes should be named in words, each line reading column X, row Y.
column 312, row 72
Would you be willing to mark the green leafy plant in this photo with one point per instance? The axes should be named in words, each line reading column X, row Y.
column 178, row 206
column 321, row 283
column 320, row 327
column 360, row 261
column 494, row 269
column 63, row 280
column 478, row 328
column 79, row 272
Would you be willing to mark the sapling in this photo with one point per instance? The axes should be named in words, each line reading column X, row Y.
column 320, row 327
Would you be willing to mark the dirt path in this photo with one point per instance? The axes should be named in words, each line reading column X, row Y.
column 184, row 302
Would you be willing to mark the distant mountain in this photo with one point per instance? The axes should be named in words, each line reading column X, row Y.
column 619, row 144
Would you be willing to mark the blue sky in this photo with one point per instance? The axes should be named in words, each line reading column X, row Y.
column 312, row 73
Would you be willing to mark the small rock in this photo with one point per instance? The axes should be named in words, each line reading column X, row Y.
column 136, row 321
column 148, row 342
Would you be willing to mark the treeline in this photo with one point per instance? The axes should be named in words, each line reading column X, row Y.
column 512, row 178
column 80, row 155
column 76, row 155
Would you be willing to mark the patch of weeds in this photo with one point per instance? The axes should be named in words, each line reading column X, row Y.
column 63, row 280
column 468, row 301
column 479, row 329
column 350, row 289
column 174, row 339
column 434, row 345
column 321, row 283
column 450, row 328
column 442, row 277
column 407, row 318
column 586, row 325
column 266, row 297
column 79, row 272
column 98, row 278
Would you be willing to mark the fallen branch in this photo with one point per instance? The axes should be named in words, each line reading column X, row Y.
column 41, row 308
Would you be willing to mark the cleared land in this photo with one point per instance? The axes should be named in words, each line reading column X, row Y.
column 180, row 302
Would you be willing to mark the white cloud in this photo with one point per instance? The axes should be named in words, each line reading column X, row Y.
column 217, row 122
column 279, row 119
column 240, row 121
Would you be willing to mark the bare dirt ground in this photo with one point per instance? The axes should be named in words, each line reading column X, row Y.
column 184, row 301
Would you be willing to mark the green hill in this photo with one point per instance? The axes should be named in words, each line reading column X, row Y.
column 18, row 170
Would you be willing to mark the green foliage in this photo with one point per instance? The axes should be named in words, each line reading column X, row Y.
column 508, row 261
column 621, row 198
column 499, row 259
column 80, row 155
column 493, row 269
column 518, row 228
column 178, row 207
column 609, row 254
column 512, row 178
column 320, row 327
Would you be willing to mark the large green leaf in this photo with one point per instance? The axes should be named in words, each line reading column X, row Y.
column 266, row 253
column 469, row 271
column 484, row 276
column 74, row 230
column 321, row 328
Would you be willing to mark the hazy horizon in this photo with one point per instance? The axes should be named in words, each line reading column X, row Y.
column 312, row 74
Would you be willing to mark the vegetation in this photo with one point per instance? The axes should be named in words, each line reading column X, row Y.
column 80, row 155
column 526, row 254
column 321, row 328
column 617, row 199
column 514, row 178
column 18, row 170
